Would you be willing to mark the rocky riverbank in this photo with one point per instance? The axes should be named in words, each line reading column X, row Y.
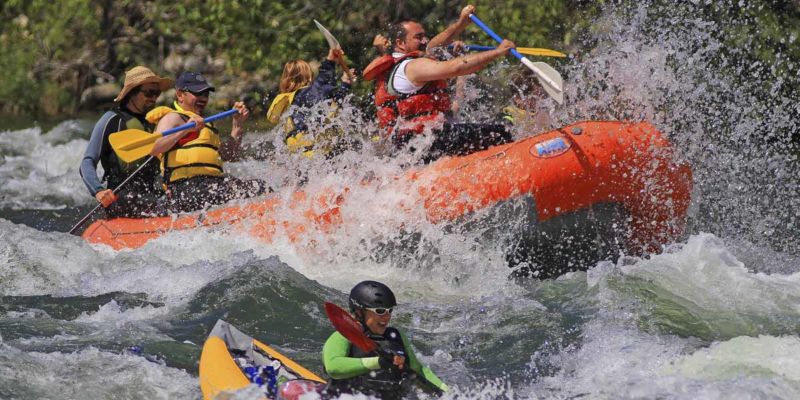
column 253, row 88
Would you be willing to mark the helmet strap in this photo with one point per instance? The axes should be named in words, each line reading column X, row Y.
column 359, row 314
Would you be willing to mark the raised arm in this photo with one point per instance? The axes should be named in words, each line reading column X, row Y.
column 232, row 149
column 421, row 70
column 448, row 35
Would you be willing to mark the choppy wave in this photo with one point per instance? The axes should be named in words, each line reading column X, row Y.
column 39, row 170
column 89, row 374
column 713, row 315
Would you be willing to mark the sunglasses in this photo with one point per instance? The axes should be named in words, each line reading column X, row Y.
column 150, row 93
column 204, row 93
column 380, row 311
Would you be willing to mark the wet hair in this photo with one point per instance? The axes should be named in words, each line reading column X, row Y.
column 133, row 92
column 398, row 31
column 524, row 83
column 296, row 74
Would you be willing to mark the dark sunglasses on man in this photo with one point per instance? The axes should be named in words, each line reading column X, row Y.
column 150, row 93
column 202, row 93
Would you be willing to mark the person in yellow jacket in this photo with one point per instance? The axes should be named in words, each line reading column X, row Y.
column 192, row 160
column 299, row 88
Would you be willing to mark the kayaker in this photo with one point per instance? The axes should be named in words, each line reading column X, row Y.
column 411, row 89
column 529, row 111
column 299, row 88
column 142, row 193
column 192, row 160
column 387, row 373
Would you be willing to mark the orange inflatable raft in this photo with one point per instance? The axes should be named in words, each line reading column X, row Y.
column 572, row 196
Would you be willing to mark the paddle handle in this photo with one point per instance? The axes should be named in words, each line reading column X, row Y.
column 343, row 64
column 84, row 219
column 189, row 125
column 474, row 47
column 477, row 47
column 491, row 33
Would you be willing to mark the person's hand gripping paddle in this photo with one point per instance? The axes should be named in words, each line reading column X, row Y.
column 133, row 144
column 334, row 45
column 549, row 78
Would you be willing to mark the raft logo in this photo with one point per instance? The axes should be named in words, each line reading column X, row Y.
column 550, row 148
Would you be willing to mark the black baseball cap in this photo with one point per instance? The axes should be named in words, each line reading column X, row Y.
column 193, row 82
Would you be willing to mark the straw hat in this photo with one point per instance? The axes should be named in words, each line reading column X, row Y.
column 139, row 75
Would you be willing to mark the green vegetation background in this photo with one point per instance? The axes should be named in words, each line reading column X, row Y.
column 54, row 50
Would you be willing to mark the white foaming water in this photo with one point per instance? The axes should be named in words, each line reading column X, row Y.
column 630, row 350
column 671, row 66
column 722, row 289
column 40, row 171
column 703, row 320
column 89, row 374
column 764, row 357
column 114, row 313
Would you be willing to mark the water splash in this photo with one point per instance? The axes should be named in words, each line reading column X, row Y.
column 40, row 171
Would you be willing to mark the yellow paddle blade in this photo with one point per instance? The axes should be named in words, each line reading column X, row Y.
column 132, row 144
column 533, row 51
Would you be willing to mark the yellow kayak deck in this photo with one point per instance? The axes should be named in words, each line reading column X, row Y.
column 219, row 371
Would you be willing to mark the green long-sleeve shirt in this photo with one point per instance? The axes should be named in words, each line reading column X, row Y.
column 339, row 366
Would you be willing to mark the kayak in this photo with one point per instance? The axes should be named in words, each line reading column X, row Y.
column 568, row 198
column 232, row 361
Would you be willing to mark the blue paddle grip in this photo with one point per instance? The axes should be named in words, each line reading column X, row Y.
column 191, row 124
column 491, row 33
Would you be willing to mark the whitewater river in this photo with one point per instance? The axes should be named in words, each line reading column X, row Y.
column 716, row 315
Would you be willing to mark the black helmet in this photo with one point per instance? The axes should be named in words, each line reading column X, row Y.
column 371, row 294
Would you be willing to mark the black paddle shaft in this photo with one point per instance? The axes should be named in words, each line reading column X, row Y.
column 115, row 191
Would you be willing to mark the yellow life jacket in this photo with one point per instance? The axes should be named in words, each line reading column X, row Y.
column 295, row 141
column 198, row 157
column 515, row 115
column 298, row 141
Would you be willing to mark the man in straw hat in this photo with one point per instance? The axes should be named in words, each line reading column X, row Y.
column 138, row 96
column 192, row 160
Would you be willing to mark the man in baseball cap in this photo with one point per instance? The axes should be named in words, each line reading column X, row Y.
column 192, row 160
column 139, row 93
column 193, row 82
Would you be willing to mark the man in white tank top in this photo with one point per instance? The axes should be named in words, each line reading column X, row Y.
column 411, row 75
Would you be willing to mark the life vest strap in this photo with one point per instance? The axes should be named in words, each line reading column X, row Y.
column 189, row 146
column 215, row 166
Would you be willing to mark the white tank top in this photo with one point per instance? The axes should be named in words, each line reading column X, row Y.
column 400, row 82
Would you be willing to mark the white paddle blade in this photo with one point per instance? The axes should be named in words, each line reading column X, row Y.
column 549, row 78
column 332, row 42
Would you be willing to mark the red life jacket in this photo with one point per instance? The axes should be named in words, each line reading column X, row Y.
column 416, row 109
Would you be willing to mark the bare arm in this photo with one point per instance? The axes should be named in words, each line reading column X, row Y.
column 170, row 121
column 237, row 130
column 231, row 150
column 448, row 35
column 421, row 70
